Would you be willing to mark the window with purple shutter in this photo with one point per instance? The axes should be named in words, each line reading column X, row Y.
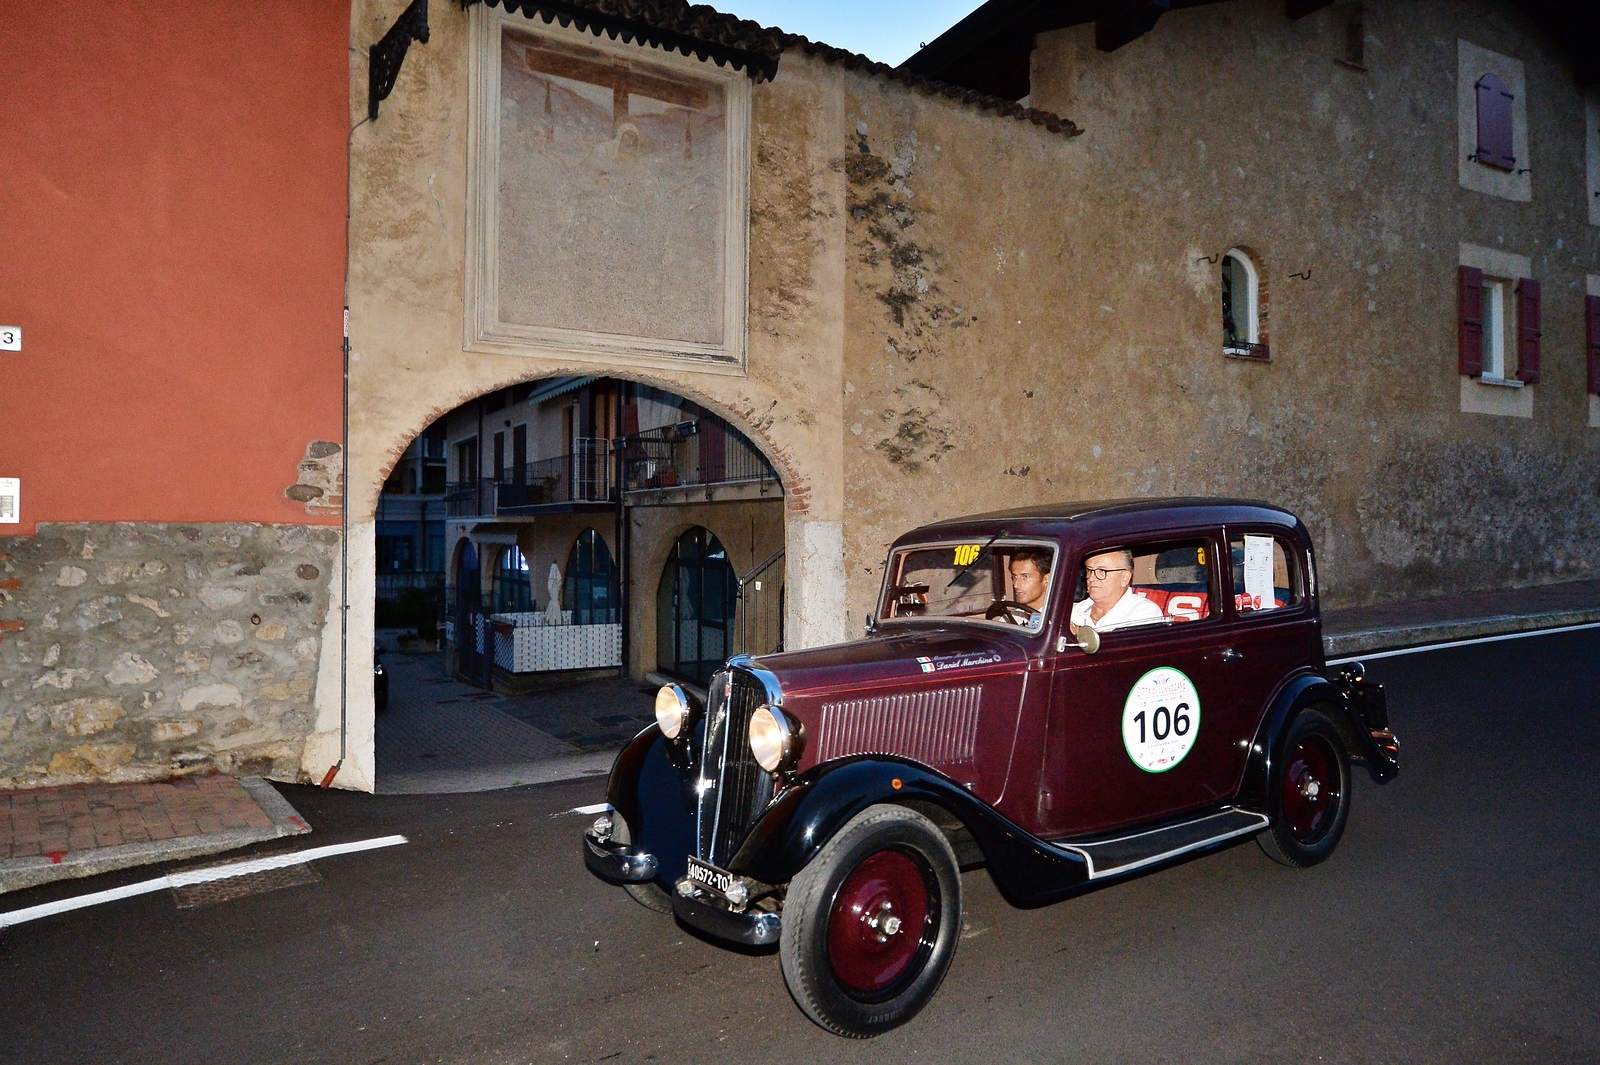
column 1591, row 307
column 1469, row 318
column 1494, row 124
column 1528, row 331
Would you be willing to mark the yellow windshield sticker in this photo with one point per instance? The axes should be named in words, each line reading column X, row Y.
column 967, row 554
column 1200, row 556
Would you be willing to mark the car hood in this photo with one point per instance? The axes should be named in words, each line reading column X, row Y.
column 963, row 651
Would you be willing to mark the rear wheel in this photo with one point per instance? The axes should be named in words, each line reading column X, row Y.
column 649, row 894
column 1309, row 796
column 870, row 925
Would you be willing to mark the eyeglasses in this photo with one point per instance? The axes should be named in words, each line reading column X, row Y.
column 1102, row 574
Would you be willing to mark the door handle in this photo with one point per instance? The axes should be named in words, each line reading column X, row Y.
column 1231, row 655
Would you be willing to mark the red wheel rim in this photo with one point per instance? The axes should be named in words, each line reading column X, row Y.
column 879, row 923
column 1310, row 788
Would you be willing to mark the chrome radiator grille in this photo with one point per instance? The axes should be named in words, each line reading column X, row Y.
column 937, row 727
column 738, row 788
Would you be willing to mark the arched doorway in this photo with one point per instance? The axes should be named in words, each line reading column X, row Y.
column 468, row 613
column 590, row 589
column 695, row 606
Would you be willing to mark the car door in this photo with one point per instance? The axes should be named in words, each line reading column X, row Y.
column 1273, row 630
column 1141, row 730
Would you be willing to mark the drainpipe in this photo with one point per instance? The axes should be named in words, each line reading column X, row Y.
column 344, row 483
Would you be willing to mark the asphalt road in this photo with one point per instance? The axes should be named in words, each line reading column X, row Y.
column 1456, row 923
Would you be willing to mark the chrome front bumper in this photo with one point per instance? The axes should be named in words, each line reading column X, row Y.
column 614, row 861
column 713, row 917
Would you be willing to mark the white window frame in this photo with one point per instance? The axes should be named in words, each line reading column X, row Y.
column 1493, row 392
column 1253, row 303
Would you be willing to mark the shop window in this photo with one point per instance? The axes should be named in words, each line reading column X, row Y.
column 1242, row 333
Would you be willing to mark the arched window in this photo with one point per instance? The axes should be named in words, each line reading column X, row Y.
column 1241, row 308
column 1494, row 124
column 513, row 594
column 695, row 604
column 590, row 587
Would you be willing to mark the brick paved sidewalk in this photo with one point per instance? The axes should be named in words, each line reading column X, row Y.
column 55, row 833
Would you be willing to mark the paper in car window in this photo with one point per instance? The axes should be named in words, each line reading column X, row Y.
column 1258, row 573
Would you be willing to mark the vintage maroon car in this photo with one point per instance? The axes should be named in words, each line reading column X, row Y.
column 1067, row 694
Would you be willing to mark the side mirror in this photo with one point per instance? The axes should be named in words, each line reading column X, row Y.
column 1088, row 639
column 872, row 624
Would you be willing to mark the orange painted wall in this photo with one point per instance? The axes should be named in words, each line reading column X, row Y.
column 172, row 233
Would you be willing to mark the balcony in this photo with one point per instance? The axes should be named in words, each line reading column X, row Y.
column 469, row 499
column 694, row 460
column 584, row 477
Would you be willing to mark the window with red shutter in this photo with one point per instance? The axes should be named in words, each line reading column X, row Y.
column 1494, row 124
column 1528, row 331
column 1470, row 321
column 1591, row 306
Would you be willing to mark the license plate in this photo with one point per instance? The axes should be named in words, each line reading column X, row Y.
column 709, row 876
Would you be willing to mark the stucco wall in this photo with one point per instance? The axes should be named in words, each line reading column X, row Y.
column 173, row 249
column 1031, row 319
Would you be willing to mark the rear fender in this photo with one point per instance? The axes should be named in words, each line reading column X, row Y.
column 1308, row 689
column 821, row 802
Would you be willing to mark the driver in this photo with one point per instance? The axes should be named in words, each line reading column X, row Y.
column 1112, row 603
column 1030, row 582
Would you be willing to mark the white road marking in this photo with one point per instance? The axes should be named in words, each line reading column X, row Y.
column 186, row 877
column 1463, row 643
column 597, row 808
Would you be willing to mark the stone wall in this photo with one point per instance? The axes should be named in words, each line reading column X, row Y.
column 143, row 651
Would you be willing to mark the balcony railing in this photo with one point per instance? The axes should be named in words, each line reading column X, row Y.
column 585, row 476
column 704, row 452
column 469, row 499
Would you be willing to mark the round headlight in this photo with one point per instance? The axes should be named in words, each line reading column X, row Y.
column 773, row 739
column 672, row 710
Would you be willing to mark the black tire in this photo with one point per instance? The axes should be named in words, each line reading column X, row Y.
column 649, row 894
column 1308, row 795
column 908, row 854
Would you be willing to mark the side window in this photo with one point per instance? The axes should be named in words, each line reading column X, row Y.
column 1265, row 574
column 1165, row 583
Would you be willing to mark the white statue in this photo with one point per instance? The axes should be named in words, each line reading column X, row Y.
column 552, row 587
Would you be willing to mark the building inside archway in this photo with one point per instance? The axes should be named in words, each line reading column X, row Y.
column 571, row 527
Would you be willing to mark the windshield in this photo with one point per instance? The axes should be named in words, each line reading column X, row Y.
column 1003, row 583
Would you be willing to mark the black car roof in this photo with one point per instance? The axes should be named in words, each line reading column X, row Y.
column 1074, row 511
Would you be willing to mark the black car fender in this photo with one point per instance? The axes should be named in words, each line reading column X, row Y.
column 807, row 813
column 652, row 790
column 1301, row 691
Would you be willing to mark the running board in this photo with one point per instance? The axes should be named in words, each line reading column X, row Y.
column 1113, row 857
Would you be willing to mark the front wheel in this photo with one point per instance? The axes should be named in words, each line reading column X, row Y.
column 1309, row 797
column 870, row 925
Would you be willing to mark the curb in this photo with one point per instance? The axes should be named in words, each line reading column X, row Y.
column 494, row 778
column 19, row 873
column 1345, row 644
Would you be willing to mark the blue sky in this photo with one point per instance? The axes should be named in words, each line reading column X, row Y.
column 886, row 30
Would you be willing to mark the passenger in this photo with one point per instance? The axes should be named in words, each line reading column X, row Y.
column 1030, row 582
column 1112, row 603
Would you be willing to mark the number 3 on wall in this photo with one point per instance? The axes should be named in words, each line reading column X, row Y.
column 10, row 338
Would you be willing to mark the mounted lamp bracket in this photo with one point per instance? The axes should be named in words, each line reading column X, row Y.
column 385, row 57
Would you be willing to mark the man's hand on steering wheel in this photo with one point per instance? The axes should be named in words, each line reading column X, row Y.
column 1007, row 610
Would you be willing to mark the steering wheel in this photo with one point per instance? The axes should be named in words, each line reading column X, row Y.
column 1002, row 609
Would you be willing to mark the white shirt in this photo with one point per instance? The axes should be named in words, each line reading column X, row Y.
column 1131, row 609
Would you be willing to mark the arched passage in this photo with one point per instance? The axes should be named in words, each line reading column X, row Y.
column 566, row 497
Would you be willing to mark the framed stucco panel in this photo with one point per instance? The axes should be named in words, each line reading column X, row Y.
column 607, row 200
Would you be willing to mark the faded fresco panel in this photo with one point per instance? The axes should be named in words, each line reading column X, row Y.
column 613, row 178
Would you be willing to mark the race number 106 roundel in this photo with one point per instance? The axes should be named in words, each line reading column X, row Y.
column 1160, row 720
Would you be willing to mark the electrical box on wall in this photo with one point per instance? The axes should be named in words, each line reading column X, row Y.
column 10, row 500
column 10, row 338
